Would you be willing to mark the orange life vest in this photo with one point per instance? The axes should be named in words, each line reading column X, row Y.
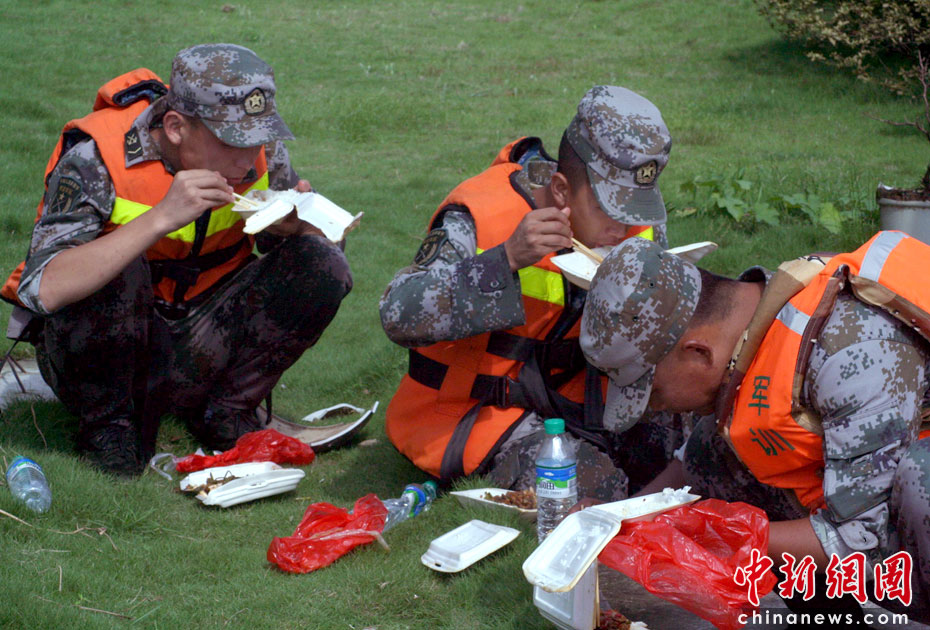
column 461, row 398
column 772, row 432
column 186, row 262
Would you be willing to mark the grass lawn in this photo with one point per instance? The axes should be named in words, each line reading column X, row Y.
column 393, row 103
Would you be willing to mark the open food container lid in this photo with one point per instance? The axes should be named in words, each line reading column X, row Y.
column 226, row 486
column 465, row 545
column 695, row 251
column 579, row 269
column 262, row 208
column 563, row 557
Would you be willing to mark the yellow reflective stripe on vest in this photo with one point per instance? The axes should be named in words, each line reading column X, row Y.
column 541, row 284
column 649, row 235
column 221, row 219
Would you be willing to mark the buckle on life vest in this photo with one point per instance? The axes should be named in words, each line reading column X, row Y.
column 172, row 310
column 500, row 392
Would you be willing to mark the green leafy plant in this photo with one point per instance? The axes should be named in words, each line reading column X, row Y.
column 747, row 204
column 734, row 196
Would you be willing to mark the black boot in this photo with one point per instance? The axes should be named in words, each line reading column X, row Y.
column 113, row 447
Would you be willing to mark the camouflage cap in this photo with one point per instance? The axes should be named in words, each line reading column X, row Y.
column 231, row 90
column 639, row 305
column 624, row 142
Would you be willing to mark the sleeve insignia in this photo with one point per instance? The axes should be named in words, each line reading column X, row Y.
column 67, row 191
column 429, row 249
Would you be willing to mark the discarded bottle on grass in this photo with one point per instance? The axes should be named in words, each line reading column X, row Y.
column 556, row 478
column 414, row 499
column 28, row 484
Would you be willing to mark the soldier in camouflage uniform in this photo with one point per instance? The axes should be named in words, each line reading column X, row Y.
column 668, row 335
column 114, row 352
column 603, row 182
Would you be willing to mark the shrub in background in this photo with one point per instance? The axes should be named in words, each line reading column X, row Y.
column 877, row 40
column 747, row 204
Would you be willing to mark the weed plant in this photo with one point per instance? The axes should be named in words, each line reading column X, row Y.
column 393, row 103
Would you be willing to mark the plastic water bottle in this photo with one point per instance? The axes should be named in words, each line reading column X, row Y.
column 28, row 484
column 556, row 478
column 414, row 499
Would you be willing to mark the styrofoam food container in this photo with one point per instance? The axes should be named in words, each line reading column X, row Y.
column 200, row 477
column 695, row 251
column 312, row 207
column 254, row 487
column 562, row 558
column 565, row 555
column 579, row 269
column 465, row 545
column 476, row 497
column 273, row 213
column 576, row 609
column 254, row 480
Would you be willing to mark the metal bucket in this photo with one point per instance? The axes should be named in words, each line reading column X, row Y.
column 912, row 217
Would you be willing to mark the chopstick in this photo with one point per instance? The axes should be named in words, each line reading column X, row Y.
column 581, row 247
column 248, row 203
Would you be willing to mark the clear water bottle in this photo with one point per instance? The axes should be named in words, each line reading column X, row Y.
column 414, row 499
column 28, row 484
column 556, row 478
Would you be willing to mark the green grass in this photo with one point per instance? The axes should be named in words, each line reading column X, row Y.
column 393, row 102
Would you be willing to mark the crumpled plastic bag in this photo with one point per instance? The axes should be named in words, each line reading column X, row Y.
column 327, row 533
column 689, row 556
column 266, row 445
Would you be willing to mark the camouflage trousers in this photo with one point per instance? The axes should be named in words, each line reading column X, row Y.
column 713, row 471
column 112, row 358
column 639, row 455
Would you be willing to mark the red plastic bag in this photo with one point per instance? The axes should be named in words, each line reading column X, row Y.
column 327, row 533
column 266, row 445
column 689, row 556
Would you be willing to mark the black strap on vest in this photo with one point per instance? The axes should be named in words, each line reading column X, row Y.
column 185, row 271
column 547, row 365
column 150, row 89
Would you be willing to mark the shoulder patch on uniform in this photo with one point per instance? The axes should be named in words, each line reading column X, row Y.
column 133, row 143
column 67, row 191
column 429, row 249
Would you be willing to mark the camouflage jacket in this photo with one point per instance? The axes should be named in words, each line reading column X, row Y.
column 91, row 197
column 451, row 292
column 867, row 377
column 456, row 293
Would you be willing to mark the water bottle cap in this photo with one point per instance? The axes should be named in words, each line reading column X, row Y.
column 432, row 484
column 554, row 426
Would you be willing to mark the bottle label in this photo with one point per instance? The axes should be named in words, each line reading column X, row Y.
column 556, row 483
column 419, row 498
column 18, row 464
